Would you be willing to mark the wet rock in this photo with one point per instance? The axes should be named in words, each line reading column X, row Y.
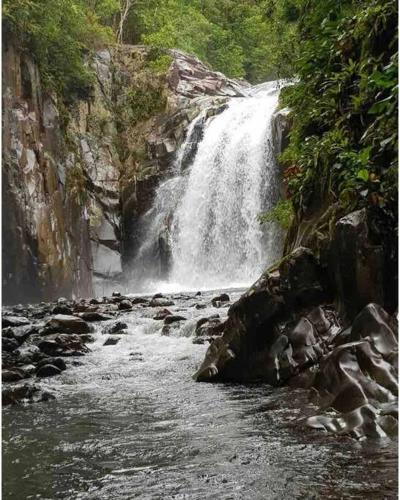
column 63, row 345
column 111, row 341
column 7, row 332
column 48, row 371
column 200, row 306
column 358, row 264
column 28, row 393
column 14, row 321
column 62, row 309
column 8, row 344
column 116, row 328
column 22, row 333
column 300, row 279
column 116, row 294
column 58, row 362
column 161, row 302
column 173, row 319
column 209, row 327
column 138, row 300
column 67, row 324
column 220, row 299
column 94, row 316
column 125, row 305
column 86, row 338
column 13, row 375
column 162, row 314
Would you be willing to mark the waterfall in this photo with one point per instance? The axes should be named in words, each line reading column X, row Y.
column 203, row 224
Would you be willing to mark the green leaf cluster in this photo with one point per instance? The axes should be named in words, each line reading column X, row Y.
column 343, row 144
column 282, row 213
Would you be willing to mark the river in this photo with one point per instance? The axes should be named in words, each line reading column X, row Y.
column 129, row 422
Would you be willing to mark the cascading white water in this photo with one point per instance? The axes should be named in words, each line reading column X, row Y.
column 208, row 213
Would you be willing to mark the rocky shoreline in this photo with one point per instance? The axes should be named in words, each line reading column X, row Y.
column 43, row 340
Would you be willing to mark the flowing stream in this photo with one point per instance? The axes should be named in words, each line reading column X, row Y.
column 129, row 422
column 204, row 218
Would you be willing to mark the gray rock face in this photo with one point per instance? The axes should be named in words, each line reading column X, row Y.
column 78, row 239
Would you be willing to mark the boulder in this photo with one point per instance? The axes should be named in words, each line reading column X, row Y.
column 67, row 324
column 29, row 393
column 162, row 314
column 48, row 371
column 13, row 375
column 14, row 321
column 116, row 328
column 125, row 305
column 220, row 299
column 94, row 316
column 62, row 309
column 8, row 344
column 173, row 319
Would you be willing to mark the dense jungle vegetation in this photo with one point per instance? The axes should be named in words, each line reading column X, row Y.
column 343, row 54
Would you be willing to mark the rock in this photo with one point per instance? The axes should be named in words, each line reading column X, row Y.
column 29, row 393
column 8, row 332
column 173, row 319
column 357, row 265
column 67, row 324
column 209, row 327
column 116, row 294
column 125, row 305
column 200, row 306
column 116, row 328
column 111, row 341
column 217, row 301
column 22, row 333
column 94, row 316
column 14, row 321
column 138, row 300
column 58, row 362
column 13, row 375
column 63, row 345
column 48, row 371
column 161, row 302
column 8, row 344
column 62, row 309
column 162, row 314
column 300, row 279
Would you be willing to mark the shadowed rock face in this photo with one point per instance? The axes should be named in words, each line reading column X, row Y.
column 286, row 330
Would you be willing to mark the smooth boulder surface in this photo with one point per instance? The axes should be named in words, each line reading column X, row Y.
column 67, row 324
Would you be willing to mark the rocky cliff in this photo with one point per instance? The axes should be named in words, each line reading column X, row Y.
column 77, row 179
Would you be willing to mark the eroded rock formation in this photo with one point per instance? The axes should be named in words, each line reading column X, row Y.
column 303, row 325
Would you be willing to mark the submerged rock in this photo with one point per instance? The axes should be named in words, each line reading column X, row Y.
column 24, row 393
column 111, row 341
column 48, row 371
column 217, row 301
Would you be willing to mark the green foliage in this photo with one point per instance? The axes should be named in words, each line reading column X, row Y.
column 343, row 144
column 282, row 213
column 251, row 39
column 158, row 61
column 144, row 102
column 59, row 34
